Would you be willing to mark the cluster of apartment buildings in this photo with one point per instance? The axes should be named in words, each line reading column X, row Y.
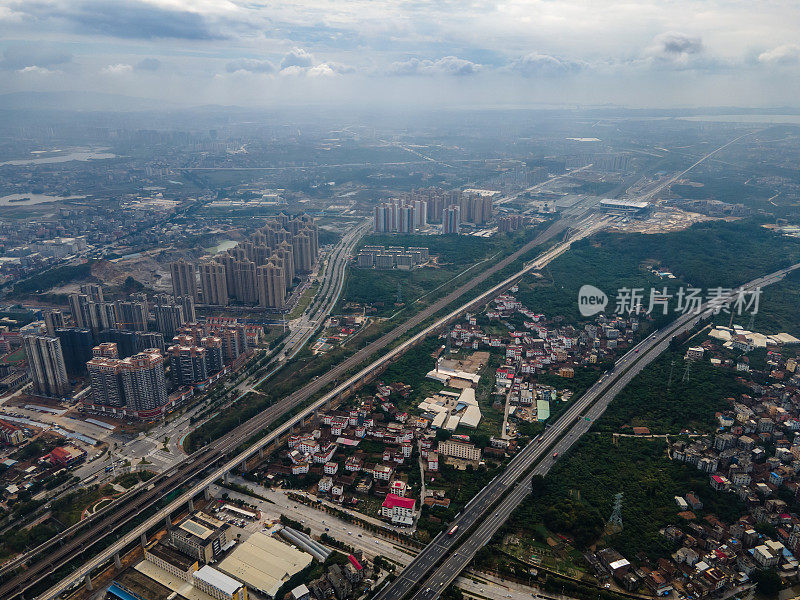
column 411, row 213
column 124, row 362
column 381, row 257
column 259, row 271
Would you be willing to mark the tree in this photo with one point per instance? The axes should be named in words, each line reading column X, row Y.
column 768, row 583
column 442, row 435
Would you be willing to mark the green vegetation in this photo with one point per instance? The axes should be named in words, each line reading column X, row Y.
column 460, row 487
column 55, row 276
column 647, row 401
column 131, row 479
column 767, row 583
column 304, row 301
column 725, row 254
column 22, row 317
column 455, row 254
column 777, row 309
column 577, row 496
column 221, row 423
column 326, row 236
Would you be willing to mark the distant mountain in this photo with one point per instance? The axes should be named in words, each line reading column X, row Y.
column 81, row 101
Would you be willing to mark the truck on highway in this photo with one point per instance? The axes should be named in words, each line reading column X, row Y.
column 453, row 530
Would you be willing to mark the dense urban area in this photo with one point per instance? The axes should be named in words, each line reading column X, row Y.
column 501, row 354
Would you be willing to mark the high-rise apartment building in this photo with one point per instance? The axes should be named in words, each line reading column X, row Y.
column 133, row 342
column 53, row 319
column 214, row 283
column 285, row 251
column 46, row 365
column 79, row 308
column 451, row 219
column 187, row 303
column 76, row 347
column 132, row 315
column 303, row 246
column 184, row 282
column 188, row 364
column 169, row 318
column 89, row 313
column 105, row 375
column 144, row 381
column 93, row 291
column 272, row 286
column 136, row 383
column 476, row 207
column 400, row 215
column 215, row 358
column 245, row 280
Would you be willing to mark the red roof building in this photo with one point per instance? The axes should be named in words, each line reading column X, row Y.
column 393, row 500
column 66, row 455
column 354, row 562
column 10, row 433
column 400, row 510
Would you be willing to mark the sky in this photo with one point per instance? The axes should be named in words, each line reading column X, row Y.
column 437, row 53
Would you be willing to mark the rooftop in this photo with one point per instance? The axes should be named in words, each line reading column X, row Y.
column 217, row 579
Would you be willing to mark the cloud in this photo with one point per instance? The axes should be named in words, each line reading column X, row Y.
column 673, row 42
column 535, row 65
column 18, row 58
column 448, row 65
column 118, row 69
column 329, row 70
column 297, row 57
column 131, row 19
column 250, row 65
column 36, row 70
column 680, row 51
column 148, row 64
column 787, row 54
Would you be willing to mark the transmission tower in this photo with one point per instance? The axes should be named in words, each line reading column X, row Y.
column 685, row 377
column 399, row 293
column 615, row 522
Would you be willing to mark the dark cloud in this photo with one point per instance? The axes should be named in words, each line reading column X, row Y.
column 132, row 19
column 148, row 64
column 250, row 64
column 537, row 65
column 20, row 57
column 448, row 65
column 297, row 57
column 674, row 43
